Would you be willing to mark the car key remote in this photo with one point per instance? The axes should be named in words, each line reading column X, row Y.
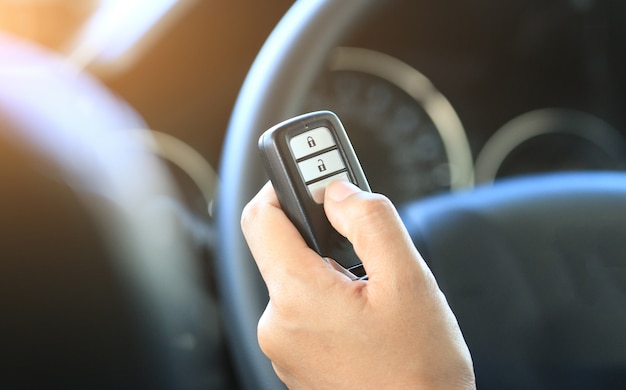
column 302, row 155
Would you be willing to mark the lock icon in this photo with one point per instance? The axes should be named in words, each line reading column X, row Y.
column 320, row 165
column 310, row 141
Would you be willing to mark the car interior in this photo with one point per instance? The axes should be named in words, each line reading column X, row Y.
column 128, row 149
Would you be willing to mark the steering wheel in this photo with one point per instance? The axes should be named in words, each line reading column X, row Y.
column 276, row 84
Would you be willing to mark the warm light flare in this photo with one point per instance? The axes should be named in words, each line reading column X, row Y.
column 120, row 31
column 106, row 34
column 49, row 22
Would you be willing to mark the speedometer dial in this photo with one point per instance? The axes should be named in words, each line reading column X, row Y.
column 406, row 134
column 551, row 139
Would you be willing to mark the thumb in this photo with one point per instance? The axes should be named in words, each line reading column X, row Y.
column 370, row 222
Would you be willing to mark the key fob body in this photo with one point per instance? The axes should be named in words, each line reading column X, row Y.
column 301, row 156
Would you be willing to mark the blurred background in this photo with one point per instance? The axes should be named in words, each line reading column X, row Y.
column 179, row 63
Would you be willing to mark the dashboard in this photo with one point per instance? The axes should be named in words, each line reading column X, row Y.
column 436, row 96
column 454, row 94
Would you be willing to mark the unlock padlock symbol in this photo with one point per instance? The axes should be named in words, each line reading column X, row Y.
column 320, row 165
column 310, row 141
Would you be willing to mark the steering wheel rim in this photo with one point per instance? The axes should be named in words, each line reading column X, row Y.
column 278, row 80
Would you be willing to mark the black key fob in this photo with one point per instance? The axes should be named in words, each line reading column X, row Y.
column 301, row 156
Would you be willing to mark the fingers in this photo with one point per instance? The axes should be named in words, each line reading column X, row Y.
column 372, row 224
column 279, row 250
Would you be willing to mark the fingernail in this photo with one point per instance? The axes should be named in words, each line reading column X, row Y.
column 339, row 190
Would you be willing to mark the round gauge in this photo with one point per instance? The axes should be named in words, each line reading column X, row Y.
column 406, row 134
column 551, row 140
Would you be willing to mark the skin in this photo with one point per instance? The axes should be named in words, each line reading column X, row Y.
column 322, row 330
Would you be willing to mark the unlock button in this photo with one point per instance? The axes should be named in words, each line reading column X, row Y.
column 322, row 165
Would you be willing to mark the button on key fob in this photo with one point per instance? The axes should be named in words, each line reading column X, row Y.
column 302, row 156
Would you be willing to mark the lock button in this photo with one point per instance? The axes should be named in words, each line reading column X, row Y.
column 311, row 142
column 319, row 166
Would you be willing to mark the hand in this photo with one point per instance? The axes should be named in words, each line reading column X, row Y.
column 322, row 330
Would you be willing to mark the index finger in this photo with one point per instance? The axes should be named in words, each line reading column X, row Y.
column 276, row 245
